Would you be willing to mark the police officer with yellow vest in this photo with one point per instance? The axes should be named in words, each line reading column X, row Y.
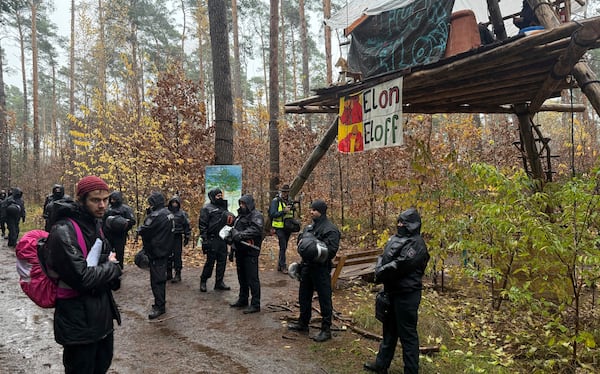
column 281, row 208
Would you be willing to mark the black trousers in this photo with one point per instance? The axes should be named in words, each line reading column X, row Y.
column 13, row 230
column 175, row 259
column 2, row 226
column 402, row 325
column 93, row 358
column 158, row 280
column 247, row 272
column 118, row 243
column 315, row 277
column 283, row 238
column 217, row 253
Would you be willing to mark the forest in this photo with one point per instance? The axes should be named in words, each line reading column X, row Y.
column 137, row 93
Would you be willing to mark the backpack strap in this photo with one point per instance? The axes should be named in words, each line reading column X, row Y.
column 67, row 292
column 79, row 235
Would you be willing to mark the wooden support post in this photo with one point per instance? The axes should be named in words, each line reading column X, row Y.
column 496, row 19
column 589, row 83
column 581, row 41
column 528, row 139
column 314, row 158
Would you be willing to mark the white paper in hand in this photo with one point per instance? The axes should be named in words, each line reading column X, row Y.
column 225, row 232
column 94, row 255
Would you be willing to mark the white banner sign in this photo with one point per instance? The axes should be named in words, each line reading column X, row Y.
column 371, row 119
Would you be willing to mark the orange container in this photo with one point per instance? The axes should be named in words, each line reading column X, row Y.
column 464, row 33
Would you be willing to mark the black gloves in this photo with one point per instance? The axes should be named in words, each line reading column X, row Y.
column 231, row 253
column 204, row 248
column 186, row 240
column 236, row 236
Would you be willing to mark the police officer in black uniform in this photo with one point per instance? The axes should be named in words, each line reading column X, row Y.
column 181, row 229
column 2, row 218
column 315, row 274
column 118, row 220
column 213, row 216
column 58, row 192
column 158, row 239
column 246, row 236
column 400, row 268
column 14, row 208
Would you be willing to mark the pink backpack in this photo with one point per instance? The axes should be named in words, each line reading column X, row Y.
column 38, row 282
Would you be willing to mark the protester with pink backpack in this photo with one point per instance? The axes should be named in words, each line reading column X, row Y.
column 85, row 307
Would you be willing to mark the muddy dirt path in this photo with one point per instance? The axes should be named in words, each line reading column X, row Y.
column 200, row 333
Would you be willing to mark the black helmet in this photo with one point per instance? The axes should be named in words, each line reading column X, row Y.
column 141, row 260
column 312, row 249
column 117, row 224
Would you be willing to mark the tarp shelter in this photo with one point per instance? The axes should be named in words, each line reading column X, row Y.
column 516, row 75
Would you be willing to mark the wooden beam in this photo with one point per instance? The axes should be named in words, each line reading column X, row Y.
column 581, row 40
column 496, row 19
column 586, row 78
column 527, row 138
column 316, row 156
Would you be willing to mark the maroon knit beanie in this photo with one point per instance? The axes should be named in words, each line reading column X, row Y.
column 89, row 184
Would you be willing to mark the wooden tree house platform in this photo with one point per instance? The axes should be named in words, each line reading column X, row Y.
column 490, row 79
column 515, row 75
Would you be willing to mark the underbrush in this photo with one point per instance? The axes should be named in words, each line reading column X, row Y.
column 474, row 338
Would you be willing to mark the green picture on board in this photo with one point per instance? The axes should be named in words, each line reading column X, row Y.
column 229, row 179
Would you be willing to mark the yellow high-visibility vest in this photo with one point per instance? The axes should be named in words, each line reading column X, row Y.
column 278, row 222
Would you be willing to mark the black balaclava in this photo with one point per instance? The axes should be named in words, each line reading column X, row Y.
column 58, row 191
column 174, row 207
column 412, row 222
column 320, row 206
column 220, row 202
column 156, row 201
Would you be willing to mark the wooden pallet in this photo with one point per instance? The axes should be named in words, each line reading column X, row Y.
column 356, row 258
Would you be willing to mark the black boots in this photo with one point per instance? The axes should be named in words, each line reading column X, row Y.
column 372, row 366
column 297, row 327
column 239, row 304
column 324, row 335
column 202, row 285
column 220, row 286
column 156, row 312
column 177, row 277
column 252, row 309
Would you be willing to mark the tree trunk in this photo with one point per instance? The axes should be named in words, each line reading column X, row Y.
column 102, row 55
column 25, row 139
column 219, row 40
column 282, row 51
column 327, row 14
column 305, row 57
column 237, row 69
column 201, row 31
column 4, row 146
column 36, row 104
column 274, row 99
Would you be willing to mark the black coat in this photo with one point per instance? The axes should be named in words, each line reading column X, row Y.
column 156, row 232
column 248, row 227
column 401, row 266
column 324, row 230
column 118, row 208
column 86, row 318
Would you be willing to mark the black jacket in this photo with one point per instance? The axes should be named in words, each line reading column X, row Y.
column 324, row 230
column 15, row 198
column 401, row 266
column 118, row 208
column 86, row 318
column 248, row 227
column 212, row 219
column 156, row 232
column 180, row 223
